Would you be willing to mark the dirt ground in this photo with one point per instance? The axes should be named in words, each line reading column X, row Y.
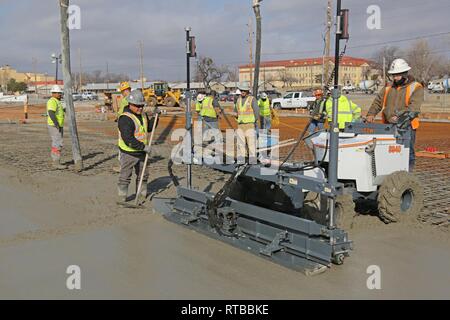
column 53, row 219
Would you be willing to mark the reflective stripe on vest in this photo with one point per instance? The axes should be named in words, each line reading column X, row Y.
column 245, row 112
column 207, row 109
column 140, row 132
column 264, row 107
column 415, row 123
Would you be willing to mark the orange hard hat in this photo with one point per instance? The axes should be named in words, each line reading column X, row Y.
column 124, row 86
column 318, row 92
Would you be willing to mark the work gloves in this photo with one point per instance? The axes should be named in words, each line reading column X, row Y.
column 147, row 149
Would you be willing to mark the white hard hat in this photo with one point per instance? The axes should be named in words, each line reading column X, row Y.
column 399, row 66
column 238, row 91
column 264, row 96
column 56, row 89
column 200, row 97
column 244, row 87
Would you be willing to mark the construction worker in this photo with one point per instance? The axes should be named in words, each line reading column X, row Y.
column 247, row 114
column 198, row 105
column 133, row 134
column 265, row 112
column 348, row 111
column 210, row 109
column 318, row 113
column 403, row 94
column 125, row 89
column 55, row 123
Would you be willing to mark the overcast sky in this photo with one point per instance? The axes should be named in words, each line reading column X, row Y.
column 110, row 30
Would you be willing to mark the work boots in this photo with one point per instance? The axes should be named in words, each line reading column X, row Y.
column 142, row 196
column 122, row 193
column 56, row 164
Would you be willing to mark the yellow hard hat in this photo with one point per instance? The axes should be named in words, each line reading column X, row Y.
column 124, row 86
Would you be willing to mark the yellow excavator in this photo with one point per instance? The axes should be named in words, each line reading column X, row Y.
column 160, row 94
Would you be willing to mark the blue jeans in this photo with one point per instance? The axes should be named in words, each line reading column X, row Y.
column 266, row 122
column 315, row 125
column 412, row 153
column 210, row 123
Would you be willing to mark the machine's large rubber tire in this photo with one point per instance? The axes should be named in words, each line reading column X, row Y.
column 170, row 102
column 400, row 197
column 152, row 102
column 345, row 212
column 277, row 106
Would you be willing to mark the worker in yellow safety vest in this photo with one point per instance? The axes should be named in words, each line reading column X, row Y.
column 265, row 112
column 348, row 111
column 247, row 111
column 133, row 126
column 210, row 109
column 55, row 124
column 125, row 89
column 403, row 94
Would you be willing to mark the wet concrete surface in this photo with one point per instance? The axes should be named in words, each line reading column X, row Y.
column 155, row 259
column 51, row 220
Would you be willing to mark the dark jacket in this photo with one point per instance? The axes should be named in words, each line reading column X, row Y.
column 126, row 127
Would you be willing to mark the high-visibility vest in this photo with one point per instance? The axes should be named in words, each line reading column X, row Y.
column 264, row 107
column 415, row 123
column 347, row 111
column 245, row 111
column 123, row 104
column 140, row 132
column 207, row 109
column 55, row 105
column 198, row 106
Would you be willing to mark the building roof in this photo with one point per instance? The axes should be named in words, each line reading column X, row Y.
column 346, row 61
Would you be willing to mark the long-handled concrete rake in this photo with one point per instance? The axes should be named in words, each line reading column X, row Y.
column 138, row 191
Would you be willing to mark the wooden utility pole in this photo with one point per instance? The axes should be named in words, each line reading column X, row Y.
column 326, row 67
column 250, row 42
column 80, row 71
column 257, row 10
column 141, row 59
column 34, row 62
column 107, row 76
column 65, row 49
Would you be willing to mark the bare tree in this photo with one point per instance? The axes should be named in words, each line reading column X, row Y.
column 208, row 72
column 424, row 64
column 287, row 79
column 232, row 74
column 390, row 53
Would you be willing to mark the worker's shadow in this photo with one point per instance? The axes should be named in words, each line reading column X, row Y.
column 95, row 164
column 157, row 186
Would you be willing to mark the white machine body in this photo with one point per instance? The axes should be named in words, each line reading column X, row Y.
column 365, row 158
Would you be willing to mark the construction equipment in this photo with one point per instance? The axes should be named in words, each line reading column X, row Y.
column 160, row 94
column 295, row 214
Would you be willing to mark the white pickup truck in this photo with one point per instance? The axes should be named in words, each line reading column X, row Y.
column 293, row 100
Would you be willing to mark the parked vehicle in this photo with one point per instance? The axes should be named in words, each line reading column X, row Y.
column 89, row 96
column 293, row 100
column 348, row 88
column 77, row 96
